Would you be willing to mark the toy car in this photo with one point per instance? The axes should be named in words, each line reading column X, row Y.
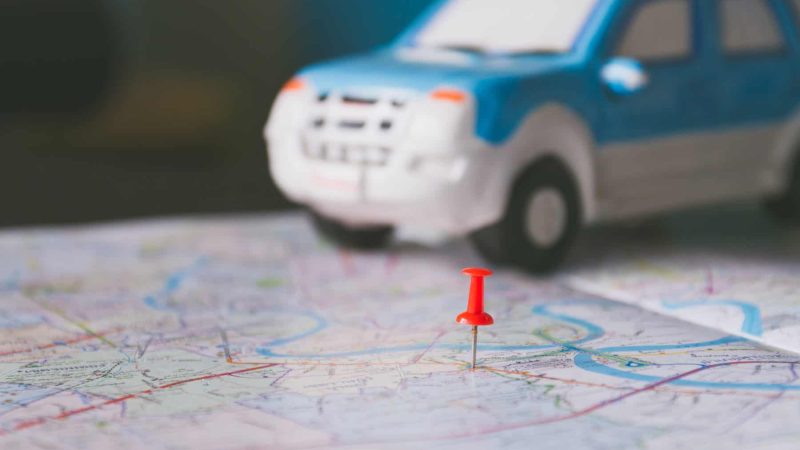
column 520, row 121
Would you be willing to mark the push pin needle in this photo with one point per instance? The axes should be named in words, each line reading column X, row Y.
column 474, row 315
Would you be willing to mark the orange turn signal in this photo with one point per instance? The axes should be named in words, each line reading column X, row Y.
column 450, row 95
column 295, row 84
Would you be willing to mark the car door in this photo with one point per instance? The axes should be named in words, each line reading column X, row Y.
column 758, row 89
column 651, row 140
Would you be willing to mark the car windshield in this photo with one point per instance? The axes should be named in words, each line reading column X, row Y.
column 506, row 26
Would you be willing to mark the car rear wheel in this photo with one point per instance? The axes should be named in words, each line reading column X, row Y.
column 364, row 238
column 541, row 220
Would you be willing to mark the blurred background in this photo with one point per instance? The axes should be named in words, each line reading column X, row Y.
column 125, row 108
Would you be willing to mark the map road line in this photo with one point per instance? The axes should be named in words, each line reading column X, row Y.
column 585, row 411
column 58, row 312
column 435, row 340
column 60, row 343
column 613, row 400
column 66, row 414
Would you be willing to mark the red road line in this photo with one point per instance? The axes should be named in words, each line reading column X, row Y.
column 613, row 400
column 391, row 263
column 85, row 337
column 41, row 420
column 578, row 413
column 436, row 339
column 544, row 421
column 346, row 260
column 710, row 290
column 29, row 423
column 216, row 375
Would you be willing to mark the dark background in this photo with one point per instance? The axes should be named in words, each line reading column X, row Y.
column 124, row 108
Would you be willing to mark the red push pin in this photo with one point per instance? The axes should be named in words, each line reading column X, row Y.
column 474, row 315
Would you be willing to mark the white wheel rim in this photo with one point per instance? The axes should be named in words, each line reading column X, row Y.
column 546, row 217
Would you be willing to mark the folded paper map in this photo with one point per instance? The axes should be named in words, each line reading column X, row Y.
column 251, row 332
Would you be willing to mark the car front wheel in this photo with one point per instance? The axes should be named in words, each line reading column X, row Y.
column 540, row 223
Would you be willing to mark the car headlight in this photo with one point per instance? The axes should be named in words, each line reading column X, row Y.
column 291, row 107
column 445, row 115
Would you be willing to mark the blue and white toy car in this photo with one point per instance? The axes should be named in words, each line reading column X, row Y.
column 520, row 121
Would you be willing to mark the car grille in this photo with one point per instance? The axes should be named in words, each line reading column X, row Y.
column 358, row 129
column 363, row 155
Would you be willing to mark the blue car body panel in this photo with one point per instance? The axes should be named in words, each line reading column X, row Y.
column 505, row 94
column 705, row 92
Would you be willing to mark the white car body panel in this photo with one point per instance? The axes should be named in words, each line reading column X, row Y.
column 438, row 174
column 646, row 177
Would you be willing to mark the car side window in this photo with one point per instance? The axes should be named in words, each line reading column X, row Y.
column 658, row 30
column 749, row 26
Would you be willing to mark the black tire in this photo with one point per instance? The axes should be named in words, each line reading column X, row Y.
column 786, row 206
column 509, row 241
column 364, row 238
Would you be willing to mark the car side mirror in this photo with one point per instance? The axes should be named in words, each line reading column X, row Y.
column 624, row 76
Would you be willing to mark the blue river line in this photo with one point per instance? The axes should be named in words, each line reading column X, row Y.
column 752, row 314
column 593, row 332
column 171, row 285
column 585, row 361
column 319, row 324
column 584, row 358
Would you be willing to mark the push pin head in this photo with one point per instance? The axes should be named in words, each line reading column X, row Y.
column 475, row 315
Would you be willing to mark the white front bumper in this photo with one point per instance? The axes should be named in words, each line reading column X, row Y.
column 457, row 193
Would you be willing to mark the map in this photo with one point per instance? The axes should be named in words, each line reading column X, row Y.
column 746, row 286
column 710, row 290
column 251, row 332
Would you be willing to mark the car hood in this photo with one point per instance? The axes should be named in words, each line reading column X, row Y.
column 423, row 70
column 505, row 89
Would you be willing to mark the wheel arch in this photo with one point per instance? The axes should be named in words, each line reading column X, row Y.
column 555, row 131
